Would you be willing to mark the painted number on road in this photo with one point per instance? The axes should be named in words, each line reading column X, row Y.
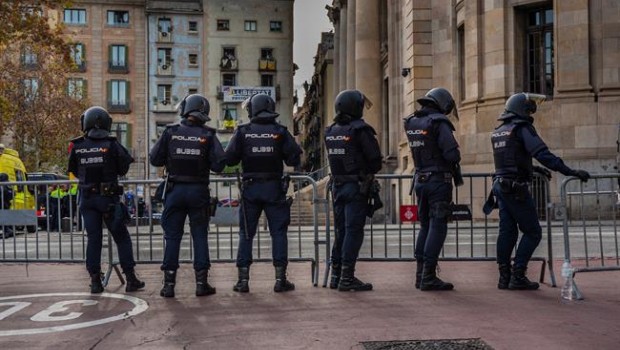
column 15, row 309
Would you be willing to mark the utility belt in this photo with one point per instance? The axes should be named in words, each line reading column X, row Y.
column 188, row 179
column 267, row 177
column 104, row 189
column 433, row 176
column 519, row 188
column 342, row 179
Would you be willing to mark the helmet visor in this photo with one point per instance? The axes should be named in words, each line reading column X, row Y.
column 538, row 99
column 367, row 102
column 245, row 103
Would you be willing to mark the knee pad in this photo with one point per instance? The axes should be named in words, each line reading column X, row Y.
column 440, row 210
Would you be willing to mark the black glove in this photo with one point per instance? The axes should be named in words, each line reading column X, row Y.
column 543, row 171
column 582, row 175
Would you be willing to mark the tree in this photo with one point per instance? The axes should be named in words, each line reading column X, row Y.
column 38, row 113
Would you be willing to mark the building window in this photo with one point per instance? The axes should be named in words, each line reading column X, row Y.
column 74, row 16
column 229, row 58
column 31, row 87
column 118, row 59
column 164, row 25
column 223, row 25
column 229, row 79
column 121, row 131
column 164, row 94
column 192, row 26
column 275, row 26
column 193, row 59
column 266, row 53
column 164, row 59
column 76, row 88
column 539, row 54
column 250, row 26
column 118, row 96
column 266, row 80
column 118, row 18
column 229, row 116
column 192, row 91
column 77, row 55
column 460, row 47
column 29, row 57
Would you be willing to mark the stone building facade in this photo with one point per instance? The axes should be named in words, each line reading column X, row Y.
column 483, row 52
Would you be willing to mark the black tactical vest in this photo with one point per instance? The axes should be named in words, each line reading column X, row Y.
column 188, row 153
column 509, row 154
column 343, row 153
column 421, row 134
column 95, row 161
column 262, row 149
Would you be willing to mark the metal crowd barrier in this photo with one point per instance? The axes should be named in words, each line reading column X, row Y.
column 590, row 213
column 34, row 242
column 473, row 239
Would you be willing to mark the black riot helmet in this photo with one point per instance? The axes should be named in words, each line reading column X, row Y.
column 351, row 103
column 439, row 98
column 524, row 104
column 96, row 122
column 4, row 177
column 261, row 106
column 195, row 105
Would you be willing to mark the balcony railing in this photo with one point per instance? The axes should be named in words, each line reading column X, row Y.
column 267, row 65
column 80, row 67
column 164, row 106
column 122, row 107
column 116, row 67
column 164, row 69
column 164, row 37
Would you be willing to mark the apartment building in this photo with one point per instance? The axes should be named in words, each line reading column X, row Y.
column 109, row 50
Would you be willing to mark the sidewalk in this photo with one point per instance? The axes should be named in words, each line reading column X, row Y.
column 309, row 317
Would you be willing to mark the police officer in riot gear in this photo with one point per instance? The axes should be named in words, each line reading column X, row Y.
column 189, row 150
column 354, row 154
column 515, row 142
column 261, row 146
column 98, row 159
column 436, row 156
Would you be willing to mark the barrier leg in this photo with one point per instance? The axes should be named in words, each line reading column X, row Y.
column 112, row 265
column 326, row 275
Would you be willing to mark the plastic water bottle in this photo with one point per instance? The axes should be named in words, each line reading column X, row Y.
column 567, row 288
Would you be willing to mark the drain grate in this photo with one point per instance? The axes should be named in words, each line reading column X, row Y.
column 433, row 344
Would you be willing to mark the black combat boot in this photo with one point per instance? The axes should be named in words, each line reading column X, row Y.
column 518, row 280
column 430, row 281
column 96, row 286
column 282, row 284
column 202, row 286
column 133, row 283
column 336, row 272
column 242, row 285
column 418, row 273
column 348, row 281
column 504, row 276
column 170, row 278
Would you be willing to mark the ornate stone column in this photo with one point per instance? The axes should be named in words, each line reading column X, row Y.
column 368, row 59
column 351, row 23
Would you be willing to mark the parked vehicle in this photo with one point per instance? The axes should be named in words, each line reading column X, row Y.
column 12, row 165
column 42, row 192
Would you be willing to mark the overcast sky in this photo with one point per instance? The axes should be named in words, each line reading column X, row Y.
column 310, row 20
